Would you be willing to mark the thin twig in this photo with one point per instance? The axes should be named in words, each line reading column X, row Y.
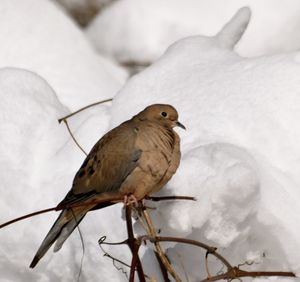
column 87, row 203
column 232, row 273
column 72, row 136
column 84, row 108
column 162, row 268
column 134, row 247
column 82, row 244
column 206, row 265
column 211, row 250
column 236, row 273
column 61, row 207
column 101, row 241
column 26, row 216
column 64, row 119
column 166, row 198
column 158, row 248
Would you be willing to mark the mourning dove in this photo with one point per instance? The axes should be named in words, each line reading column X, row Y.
column 132, row 161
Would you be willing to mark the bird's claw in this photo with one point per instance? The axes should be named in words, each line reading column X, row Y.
column 130, row 200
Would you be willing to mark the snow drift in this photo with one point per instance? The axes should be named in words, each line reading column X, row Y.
column 240, row 152
column 240, row 159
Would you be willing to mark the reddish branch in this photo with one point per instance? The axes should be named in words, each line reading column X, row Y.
column 233, row 272
column 165, row 198
column 87, row 203
column 134, row 246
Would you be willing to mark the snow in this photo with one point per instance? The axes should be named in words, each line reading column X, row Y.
column 140, row 30
column 240, row 153
column 38, row 150
column 51, row 45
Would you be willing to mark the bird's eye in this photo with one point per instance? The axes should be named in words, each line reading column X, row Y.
column 164, row 114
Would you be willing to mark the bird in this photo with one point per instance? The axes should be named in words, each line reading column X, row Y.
column 131, row 161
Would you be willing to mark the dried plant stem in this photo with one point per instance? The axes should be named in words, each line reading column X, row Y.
column 162, row 268
column 134, row 246
column 72, row 136
column 64, row 119
column 26, row 216
column 166, row 198
column 235, row 273
column 232, row 272
column 160, row 252
column 206, row 265
column 84, row 108
column 86, row 203
column 209, row 249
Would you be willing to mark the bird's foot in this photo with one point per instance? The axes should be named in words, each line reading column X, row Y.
column 130, row 200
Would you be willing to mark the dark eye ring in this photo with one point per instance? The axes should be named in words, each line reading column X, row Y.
column 164, row 114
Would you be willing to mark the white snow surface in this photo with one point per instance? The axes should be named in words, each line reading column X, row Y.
column 38, row 36
column 38, row 161
column 240, row 159
column 141, row 30
column 241, row 156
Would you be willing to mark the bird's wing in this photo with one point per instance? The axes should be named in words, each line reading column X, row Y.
column 108, row 164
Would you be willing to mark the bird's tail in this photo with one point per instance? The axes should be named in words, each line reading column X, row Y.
column 59, row 232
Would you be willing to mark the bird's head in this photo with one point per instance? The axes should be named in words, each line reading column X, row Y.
column 164, row 114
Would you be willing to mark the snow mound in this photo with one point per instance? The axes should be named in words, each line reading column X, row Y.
column 38, row 162
column 140, row 30
column 50, row 44
column 240, row 151
column 240, row 154
column 29, row 108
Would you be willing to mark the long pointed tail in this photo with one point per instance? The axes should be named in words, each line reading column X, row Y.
column 59, row 232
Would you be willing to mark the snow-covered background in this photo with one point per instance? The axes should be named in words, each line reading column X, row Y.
column 240, row 153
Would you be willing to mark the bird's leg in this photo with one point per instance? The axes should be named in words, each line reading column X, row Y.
column 131, row 199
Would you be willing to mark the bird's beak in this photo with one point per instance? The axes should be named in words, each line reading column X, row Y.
column 180, row 125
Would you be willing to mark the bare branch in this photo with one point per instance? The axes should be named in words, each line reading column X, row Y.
column 61, row 207
column 72, row 136
column 26, row 216
column 209, row 249
column 101, row 241
column 134, row 247
column 84, row 108
column 64, row 119
column 236, row 273
column 158, row 248
column 86, row 203
column 166, row 198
